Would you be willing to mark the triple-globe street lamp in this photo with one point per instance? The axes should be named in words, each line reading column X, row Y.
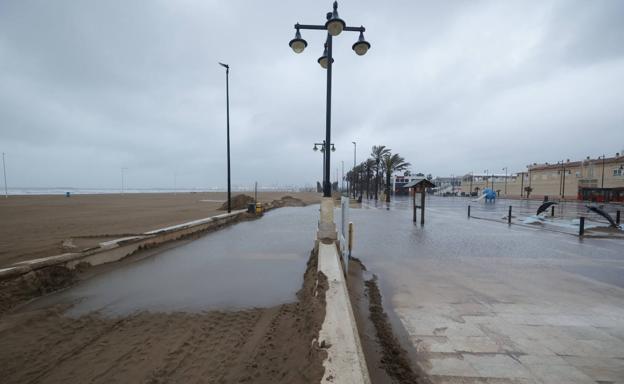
column 334, row 27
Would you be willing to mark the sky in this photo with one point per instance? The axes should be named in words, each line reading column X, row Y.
column 90, row 87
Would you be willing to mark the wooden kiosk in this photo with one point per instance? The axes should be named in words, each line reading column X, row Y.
column 419, row 186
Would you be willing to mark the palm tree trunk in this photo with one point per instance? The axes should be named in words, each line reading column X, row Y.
column 388, row 176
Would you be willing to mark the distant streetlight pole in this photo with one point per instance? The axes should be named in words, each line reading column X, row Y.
column 175, row 182
column 471, row 177
column 353, row 171
column 562, row 179
column 505, row 169
column 123, row 169
column 343, row 178
column 603, row 162
column 486, row 178
column 334, row 27
column 6, row 189
column 227, row 110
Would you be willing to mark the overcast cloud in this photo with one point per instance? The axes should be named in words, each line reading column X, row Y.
column 89, row 87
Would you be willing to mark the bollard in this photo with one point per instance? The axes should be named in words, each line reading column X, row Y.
column 422, row 208
column 582, row 226
column 350, row 237
column 617, row 217
column 552, row 211
column 509, row 216
column 468, row 211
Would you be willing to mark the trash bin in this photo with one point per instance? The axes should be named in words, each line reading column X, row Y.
column 258, row 207
column 67, row 194
column 545, row 198
column 251, row 208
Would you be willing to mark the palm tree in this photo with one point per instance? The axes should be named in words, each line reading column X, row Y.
column 369, row 165
column 377, row 154
column 392, row 163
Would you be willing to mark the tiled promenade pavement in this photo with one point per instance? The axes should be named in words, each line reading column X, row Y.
column 482, row 302
column 537, row 326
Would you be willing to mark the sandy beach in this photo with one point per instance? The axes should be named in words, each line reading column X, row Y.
column 44, row 225
column 255, row 345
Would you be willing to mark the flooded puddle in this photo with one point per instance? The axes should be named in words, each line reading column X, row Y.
column 251, row 264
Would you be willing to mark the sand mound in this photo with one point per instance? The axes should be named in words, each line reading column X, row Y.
column 238, row 202
column 287, row 201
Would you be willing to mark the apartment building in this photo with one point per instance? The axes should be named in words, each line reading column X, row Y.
column 596, row 179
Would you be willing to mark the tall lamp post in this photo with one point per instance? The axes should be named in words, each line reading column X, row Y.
column 123, row 169
column 562, row 179
column 6, row 188
column 227, row 110
column 505, row 169
column 602, row 183
column 334, row 27
column 354, row 157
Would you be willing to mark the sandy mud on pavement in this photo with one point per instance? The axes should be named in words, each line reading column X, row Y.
column 387, row 361
column 259, row 345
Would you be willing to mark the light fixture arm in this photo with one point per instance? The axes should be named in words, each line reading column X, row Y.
column 324, row 28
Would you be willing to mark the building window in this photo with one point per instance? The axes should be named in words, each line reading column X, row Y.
column 617, row 172
column 578, row 174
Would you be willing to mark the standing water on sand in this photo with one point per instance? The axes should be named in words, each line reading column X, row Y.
column 251, row 264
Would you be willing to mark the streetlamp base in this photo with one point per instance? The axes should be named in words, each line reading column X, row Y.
column 327, row 227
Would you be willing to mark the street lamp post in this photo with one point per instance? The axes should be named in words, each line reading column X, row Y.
column 343, row 178
column 602, row 183
column 562, row 179
column 505, row 169
column 334, row 26
column 6, row 188
column 227, row 110
column 354, row 156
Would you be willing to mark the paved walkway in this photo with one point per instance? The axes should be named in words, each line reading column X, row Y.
column 485, row 303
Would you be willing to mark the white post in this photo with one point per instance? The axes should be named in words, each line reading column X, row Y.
column 6, row 190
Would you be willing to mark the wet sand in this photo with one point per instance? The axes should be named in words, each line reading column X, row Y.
column 258, row 345
column 39, row 226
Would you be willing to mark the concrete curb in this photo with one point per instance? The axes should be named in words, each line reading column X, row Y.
column 115, row 250
column 345, row 361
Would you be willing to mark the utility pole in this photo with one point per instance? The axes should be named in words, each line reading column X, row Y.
column 6, row 189
column 227, row 111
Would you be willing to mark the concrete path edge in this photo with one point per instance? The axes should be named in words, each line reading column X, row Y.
column 345, row 361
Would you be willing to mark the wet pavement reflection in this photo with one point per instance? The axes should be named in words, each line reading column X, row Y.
column 482, row 301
